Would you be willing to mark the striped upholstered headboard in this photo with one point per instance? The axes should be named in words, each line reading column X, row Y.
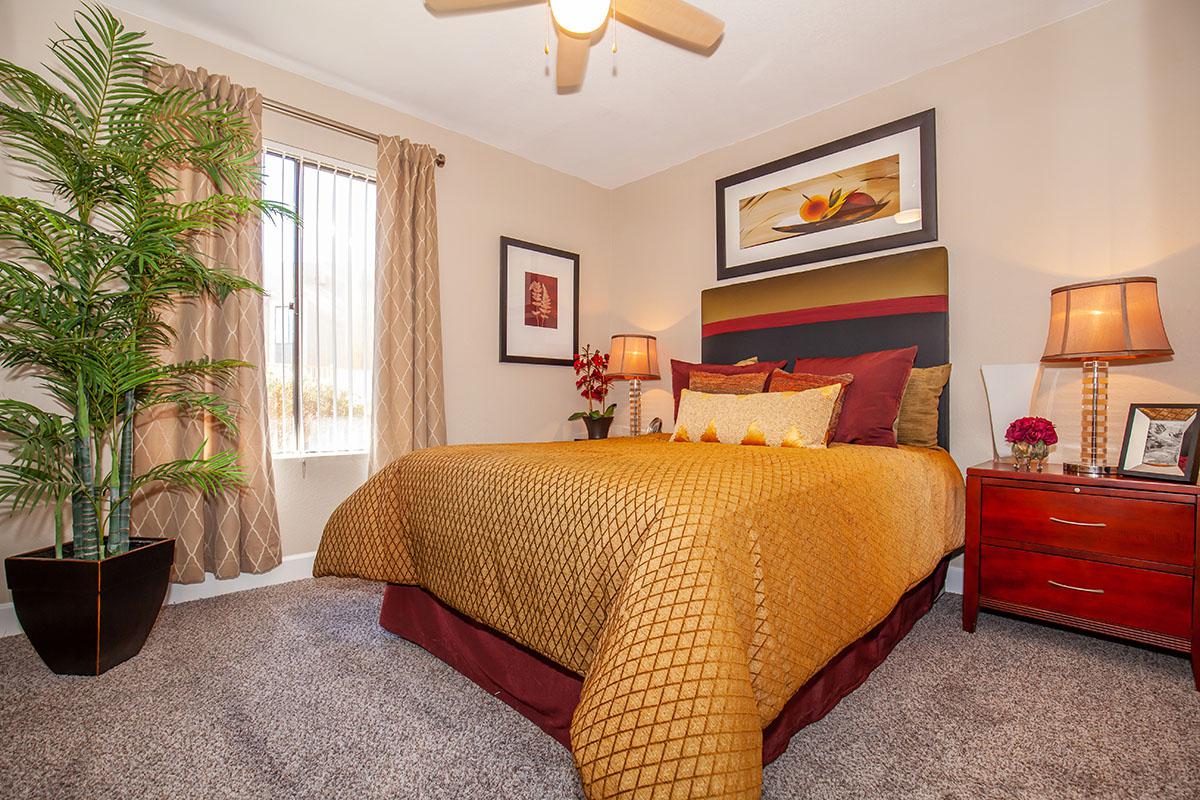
column 876, row 304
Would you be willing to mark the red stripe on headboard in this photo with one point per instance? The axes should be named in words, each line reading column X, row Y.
column 923, row 304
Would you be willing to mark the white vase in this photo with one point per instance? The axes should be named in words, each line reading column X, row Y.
column 1009, row 390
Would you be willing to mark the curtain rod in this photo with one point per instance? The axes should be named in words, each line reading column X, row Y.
column 326, row 122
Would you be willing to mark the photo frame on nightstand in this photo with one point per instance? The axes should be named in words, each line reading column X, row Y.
column 1160, row 442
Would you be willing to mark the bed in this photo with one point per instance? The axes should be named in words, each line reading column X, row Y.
column 674, row 612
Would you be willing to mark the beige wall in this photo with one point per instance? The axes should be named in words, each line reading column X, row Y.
column 483, row 193
column 1068, row 154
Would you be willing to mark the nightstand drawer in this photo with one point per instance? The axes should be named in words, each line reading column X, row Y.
column 1146, row 530
column 1092, row 590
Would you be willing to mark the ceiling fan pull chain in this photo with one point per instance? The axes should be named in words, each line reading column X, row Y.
column 614, row 31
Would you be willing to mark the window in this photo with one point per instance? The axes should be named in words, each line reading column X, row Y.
column 319, row 304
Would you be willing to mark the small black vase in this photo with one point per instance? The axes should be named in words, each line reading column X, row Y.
column 597, row 427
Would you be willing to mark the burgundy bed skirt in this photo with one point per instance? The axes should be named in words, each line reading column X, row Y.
column 547, row 694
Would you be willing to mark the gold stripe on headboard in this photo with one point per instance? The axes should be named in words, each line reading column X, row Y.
column 917, row 273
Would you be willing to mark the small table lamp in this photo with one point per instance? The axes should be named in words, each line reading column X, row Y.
column 1096, row 323
column 634, row 357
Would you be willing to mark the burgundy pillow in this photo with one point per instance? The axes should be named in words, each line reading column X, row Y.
column 681, row 373
column 872, row 401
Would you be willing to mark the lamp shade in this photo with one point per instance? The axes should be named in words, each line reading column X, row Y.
column 1106, row 320
column 633, row 355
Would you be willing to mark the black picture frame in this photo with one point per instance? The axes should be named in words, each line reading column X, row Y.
column 923, row 121
column 1191, row 436
column 508, row 358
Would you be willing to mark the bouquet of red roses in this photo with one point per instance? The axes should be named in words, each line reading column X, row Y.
column 1031, row 438
column 1031, row 430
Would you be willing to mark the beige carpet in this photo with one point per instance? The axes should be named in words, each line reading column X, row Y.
column 318, row 702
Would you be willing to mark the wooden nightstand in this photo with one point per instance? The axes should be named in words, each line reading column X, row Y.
column 1115, row 556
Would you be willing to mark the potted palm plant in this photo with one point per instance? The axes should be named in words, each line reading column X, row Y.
column 85, row 280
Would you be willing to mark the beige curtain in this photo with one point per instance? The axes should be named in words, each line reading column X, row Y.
column 408, row 408
column 235, row 531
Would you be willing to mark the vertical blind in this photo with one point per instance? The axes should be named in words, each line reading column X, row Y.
column 319, row 281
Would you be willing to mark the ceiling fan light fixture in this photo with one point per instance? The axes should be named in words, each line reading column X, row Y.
column 580, row 16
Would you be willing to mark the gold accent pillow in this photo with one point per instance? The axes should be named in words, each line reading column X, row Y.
column 773, row 419
column 917, row 422
column 745, row 362
column 802, row 381
column 716, row 383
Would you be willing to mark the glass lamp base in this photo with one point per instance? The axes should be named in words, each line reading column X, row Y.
column 1090, row 470
column 635, row 407
column 1093, row 445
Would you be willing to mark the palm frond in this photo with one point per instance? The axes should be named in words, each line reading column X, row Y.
column 23, row 486
column 200, row 373
column 210, row 475
column 25, row 89
column 39, row 467
column 103, row 67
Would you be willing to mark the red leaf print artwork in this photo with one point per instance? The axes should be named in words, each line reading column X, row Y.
column 541, row 300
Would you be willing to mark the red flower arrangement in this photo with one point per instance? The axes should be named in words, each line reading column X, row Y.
column 1031, row 438
column 1031, row 430
column 593, row 383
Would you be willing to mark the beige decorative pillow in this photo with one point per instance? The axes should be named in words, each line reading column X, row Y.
column 773, row 419
column 917, row 423
column 745, row 362
column 802, row 381
column 716, row 383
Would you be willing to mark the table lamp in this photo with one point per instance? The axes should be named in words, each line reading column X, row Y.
column 1096, row 323
column 634, row 357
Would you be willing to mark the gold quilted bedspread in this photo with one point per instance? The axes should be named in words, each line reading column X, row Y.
column 696, row 587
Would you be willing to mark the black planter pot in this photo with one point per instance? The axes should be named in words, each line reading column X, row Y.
column 85, row 617
column 597, row 427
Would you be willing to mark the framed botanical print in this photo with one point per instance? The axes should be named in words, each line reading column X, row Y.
column 539, row 303
column 871, row 191
column 1160, row 442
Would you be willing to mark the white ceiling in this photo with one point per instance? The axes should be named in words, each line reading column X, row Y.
column 486, row 75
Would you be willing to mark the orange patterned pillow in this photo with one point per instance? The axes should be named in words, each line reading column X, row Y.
column 780, row 419
column 716, row 383
column 801, row 381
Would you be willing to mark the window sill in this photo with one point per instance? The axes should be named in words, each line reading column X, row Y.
column 323, row 454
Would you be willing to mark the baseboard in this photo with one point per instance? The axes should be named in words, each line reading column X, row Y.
column 8, row 621
column 293, row 568
column 954, row 576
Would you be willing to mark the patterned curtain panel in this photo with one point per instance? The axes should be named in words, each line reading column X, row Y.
column 408, row 412
column 236, row 531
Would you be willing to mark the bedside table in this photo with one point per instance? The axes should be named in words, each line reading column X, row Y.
column 1115, row 556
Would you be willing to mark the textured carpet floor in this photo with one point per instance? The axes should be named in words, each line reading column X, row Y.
column 295, row 692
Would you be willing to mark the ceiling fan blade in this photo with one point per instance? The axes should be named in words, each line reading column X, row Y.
column 447, row 6
column 674, row 20
column 572, row 60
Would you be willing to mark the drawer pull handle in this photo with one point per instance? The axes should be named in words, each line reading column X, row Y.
column 1080, row 524
column 1075, row 588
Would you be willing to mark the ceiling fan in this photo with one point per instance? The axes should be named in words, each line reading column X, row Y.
column 673, row 21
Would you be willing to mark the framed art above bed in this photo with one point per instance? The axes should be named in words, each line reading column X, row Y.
column 875, row 190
